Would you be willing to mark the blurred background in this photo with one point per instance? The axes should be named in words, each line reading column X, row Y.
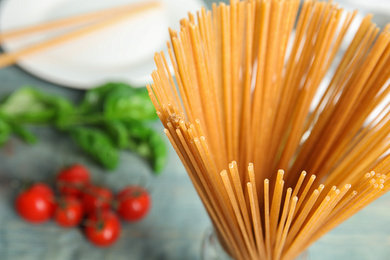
column 123, row 52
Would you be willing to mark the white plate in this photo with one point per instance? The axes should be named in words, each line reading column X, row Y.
column 120, row 52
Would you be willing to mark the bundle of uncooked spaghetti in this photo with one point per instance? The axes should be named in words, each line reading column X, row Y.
column 243, row 115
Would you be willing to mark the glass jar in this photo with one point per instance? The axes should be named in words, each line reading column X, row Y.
column 211, row 249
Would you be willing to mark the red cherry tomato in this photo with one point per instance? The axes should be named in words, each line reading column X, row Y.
column 72, row 180
column 103, row 230
column 69, row 212
column 96, row 198
column 133, row 203
column 36, row 204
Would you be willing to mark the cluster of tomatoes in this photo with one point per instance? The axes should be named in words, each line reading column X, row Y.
column 80, row 203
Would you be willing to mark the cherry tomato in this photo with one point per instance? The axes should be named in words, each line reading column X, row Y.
column 72, row 180
column 36, row 204
column 96, row 198
column 69, row 212
column 103, row 230
column 133, row 203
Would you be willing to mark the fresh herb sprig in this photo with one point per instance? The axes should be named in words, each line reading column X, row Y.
column 109, row 118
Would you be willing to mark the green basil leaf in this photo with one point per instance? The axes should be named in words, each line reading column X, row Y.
column 118, row 132
column 98, row 145
column 27, row 105
column 129, row 104
column 5, row 131
column 94, row 99
column 147, row 143
column 23, row 133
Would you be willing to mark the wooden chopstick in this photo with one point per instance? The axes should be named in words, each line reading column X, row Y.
column 121, row 13
column 68, row 21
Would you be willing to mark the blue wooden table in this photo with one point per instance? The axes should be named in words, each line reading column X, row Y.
column 177, row 221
